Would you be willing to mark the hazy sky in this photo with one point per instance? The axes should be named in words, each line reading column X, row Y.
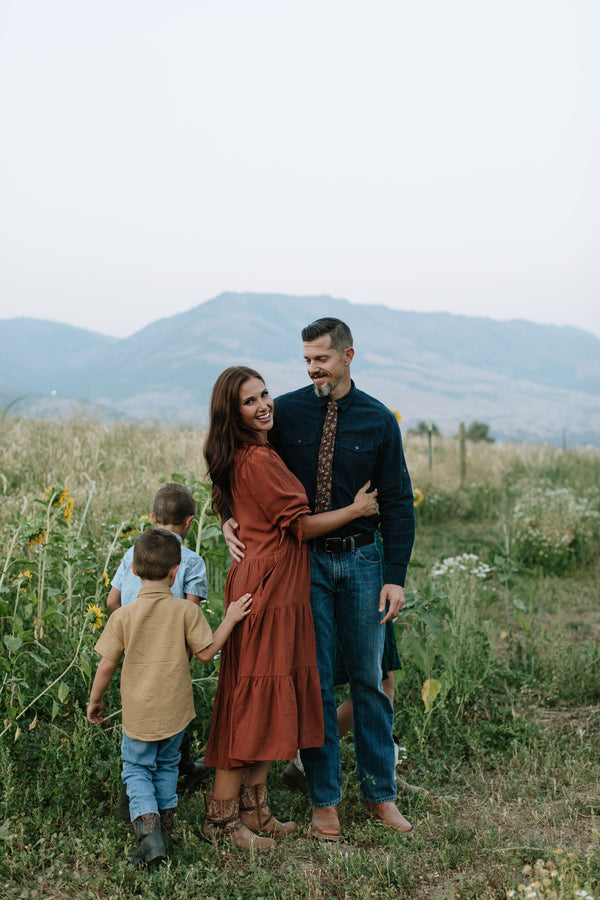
column 424, row 154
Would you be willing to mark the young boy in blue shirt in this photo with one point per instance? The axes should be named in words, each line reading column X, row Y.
column 174, row 509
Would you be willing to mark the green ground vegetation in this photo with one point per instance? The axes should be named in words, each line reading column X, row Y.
column 497, row 704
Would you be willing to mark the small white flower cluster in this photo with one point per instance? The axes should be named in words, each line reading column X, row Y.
column 551, row 523
column 538, row 502
column 532, row 892
column 548, row 884
column 468, row 562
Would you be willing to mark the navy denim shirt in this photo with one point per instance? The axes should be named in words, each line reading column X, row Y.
column 368, row 446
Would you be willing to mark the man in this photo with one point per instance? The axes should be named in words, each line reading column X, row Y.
column 346, row 575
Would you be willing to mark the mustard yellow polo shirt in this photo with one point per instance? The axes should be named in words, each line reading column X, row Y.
column 156, row 686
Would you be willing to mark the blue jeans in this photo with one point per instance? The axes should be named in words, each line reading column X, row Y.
column 345, row 591
column 150, row 772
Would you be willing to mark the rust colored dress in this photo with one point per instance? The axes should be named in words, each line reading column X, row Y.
column 268, row 701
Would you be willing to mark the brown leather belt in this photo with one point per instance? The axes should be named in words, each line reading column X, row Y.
column 343, row 544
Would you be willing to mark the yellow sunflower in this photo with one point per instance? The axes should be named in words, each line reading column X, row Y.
column 94, row 610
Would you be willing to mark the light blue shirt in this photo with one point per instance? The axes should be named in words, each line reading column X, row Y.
column 190, row 578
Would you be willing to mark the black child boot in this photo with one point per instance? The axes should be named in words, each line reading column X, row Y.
column 151, row 845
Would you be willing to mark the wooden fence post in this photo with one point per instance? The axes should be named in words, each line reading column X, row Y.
column 462, row 442
column 429, row 437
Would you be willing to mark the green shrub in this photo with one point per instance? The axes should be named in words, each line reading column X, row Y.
column 554, row 528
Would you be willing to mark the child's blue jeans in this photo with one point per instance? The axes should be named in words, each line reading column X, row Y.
column 150, row 772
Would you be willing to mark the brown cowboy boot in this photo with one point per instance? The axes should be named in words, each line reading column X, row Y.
column 223, row 819
column 390, row 815
column 256, row 815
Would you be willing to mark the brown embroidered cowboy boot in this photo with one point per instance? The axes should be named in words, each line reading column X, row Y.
column 223, row 819
column 256, row 815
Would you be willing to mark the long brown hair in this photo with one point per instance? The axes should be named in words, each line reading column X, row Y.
column 226, row 433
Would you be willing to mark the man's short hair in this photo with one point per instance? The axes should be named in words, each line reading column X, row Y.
column 341, row 336
column 173, row 503
column 155, row 553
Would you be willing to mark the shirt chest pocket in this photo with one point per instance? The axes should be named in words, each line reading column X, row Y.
column 300, row 454
column 296, row 439
column 355, row 455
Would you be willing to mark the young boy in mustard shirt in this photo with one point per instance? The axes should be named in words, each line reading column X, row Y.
column 155, row 633
column 173, row 508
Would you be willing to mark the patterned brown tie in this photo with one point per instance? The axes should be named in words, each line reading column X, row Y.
column 325, row 460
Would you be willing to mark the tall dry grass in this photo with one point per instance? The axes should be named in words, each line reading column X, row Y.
column 124, row 461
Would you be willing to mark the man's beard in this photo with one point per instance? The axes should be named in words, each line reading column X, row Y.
column 323, row 391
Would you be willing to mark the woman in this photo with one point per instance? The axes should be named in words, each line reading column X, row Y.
column 268, row 701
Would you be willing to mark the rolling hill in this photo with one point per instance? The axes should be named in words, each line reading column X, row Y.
column 528, row 381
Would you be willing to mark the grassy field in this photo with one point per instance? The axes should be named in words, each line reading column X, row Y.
column 497, row 704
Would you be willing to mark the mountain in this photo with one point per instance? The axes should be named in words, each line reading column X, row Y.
column 528, row 381
column 35, row 351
